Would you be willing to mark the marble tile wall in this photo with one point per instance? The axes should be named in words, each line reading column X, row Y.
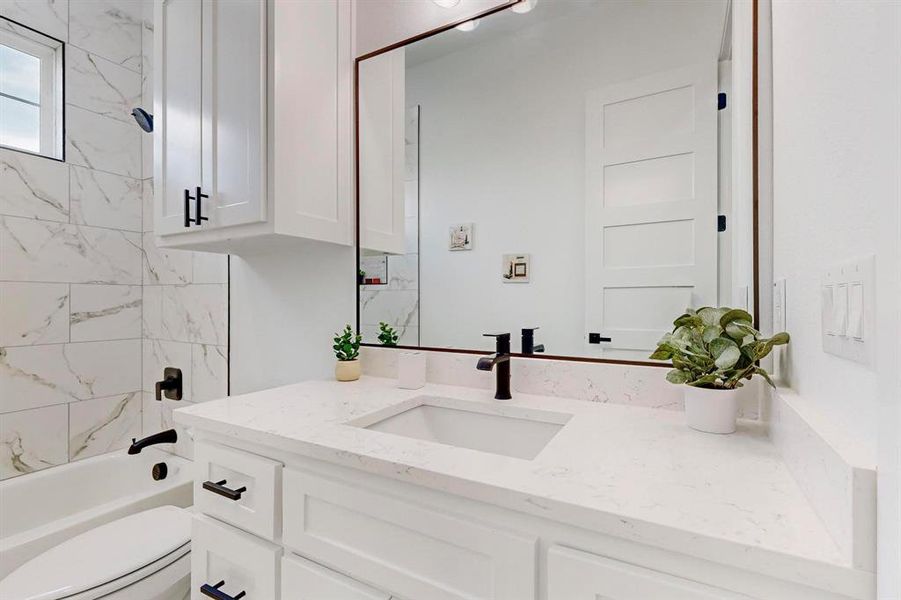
column 397, row 302
column 90, row 310
column 185, row 308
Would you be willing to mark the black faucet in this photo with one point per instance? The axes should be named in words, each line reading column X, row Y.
column 164, row 437
column 501, row 358
column 528, row 341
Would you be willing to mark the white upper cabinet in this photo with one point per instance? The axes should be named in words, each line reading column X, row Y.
column 253, row 123
column 382, row 102
column 176, row 151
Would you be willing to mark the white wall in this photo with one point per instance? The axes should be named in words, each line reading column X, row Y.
column 835, row 179
column 502, row 145
column 836, row 139
column 285, row 308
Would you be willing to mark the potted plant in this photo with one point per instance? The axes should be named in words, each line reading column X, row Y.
column 713, row 350
column 387, row 334
column 347, row 351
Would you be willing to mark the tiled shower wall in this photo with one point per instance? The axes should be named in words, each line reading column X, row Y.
column 90, row 310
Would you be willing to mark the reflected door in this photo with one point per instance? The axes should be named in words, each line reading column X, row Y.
column 651, row 204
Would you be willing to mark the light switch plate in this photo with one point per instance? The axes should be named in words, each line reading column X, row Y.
column 847, row 292
column 779, row 305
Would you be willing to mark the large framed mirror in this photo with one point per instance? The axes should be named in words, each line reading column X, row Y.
column 582, row 167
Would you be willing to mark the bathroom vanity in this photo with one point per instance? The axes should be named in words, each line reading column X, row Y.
column 363, row 490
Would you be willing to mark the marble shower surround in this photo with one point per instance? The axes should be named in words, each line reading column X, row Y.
column 90, row 309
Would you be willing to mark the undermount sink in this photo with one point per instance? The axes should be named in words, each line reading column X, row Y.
column 512, row 431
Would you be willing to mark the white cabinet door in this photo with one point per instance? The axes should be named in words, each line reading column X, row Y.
column 234, row 112
column 394, row 543
column 311, row 125
column 305, row 580
column 381, row 138
column 576, row 575
column 231, row 561
column 177, row 110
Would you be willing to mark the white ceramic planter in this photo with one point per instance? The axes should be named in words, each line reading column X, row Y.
column 347, row 370
column 711, row 411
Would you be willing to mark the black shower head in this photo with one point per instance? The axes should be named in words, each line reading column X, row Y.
column 144, row 119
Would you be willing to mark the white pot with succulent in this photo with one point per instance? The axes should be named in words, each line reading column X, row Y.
column 713, row 350
column 347, row 351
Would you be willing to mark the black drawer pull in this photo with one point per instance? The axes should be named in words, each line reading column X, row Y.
column 198, row 218
column 213, row 591
column 188, row 198
column 218, row 487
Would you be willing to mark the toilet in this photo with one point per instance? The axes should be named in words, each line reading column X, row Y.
column 145, row 556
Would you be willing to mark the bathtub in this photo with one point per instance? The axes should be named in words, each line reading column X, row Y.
column 40, row 510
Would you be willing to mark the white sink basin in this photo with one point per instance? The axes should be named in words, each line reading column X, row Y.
column 512, row 431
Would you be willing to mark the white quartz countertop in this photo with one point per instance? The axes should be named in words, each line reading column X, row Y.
column 635, row 473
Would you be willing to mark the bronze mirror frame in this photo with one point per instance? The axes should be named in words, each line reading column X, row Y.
column 755, row 192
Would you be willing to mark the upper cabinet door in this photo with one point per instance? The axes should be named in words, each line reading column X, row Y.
column 311, row 127
column 177, row 110
column 234, row 112
column 381, row 113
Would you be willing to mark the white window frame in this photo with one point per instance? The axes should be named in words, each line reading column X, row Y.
column 50, row 52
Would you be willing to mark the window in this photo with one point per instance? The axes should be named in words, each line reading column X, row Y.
column 31, row 90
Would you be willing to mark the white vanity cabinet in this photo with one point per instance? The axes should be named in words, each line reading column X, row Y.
column 577, row 575
column 253, row 116
column 303, row 529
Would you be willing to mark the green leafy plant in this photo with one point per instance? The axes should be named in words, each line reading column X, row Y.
column 347, row 344
column 387, row 334
column 715, row 348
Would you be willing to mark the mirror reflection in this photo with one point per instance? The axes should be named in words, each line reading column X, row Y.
column 582, row 168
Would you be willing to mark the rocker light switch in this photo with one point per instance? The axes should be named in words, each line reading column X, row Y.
column 826, row 310
column 855, row 311
column 840, row 309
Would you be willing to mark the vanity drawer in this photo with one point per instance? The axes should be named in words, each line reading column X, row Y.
column 576, row 575
column 305, row 580
column 406, row 548
column 239, row 488
column 242, row 562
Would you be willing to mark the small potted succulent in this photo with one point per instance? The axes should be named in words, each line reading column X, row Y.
column 347, row 351
column 713, row 350
column 387, row 334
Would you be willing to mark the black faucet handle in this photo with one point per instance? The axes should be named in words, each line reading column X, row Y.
column 503, row 342
column 171, row 384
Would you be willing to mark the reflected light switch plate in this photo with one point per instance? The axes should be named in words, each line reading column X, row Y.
column 779, row 305
column 855, row 311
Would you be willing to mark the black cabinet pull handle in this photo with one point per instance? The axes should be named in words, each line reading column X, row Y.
column 188, row 199
column 200, row 218
column 213, row 591
column 218, row 487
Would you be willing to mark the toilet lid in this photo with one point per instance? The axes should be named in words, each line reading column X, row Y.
column 101, row 555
